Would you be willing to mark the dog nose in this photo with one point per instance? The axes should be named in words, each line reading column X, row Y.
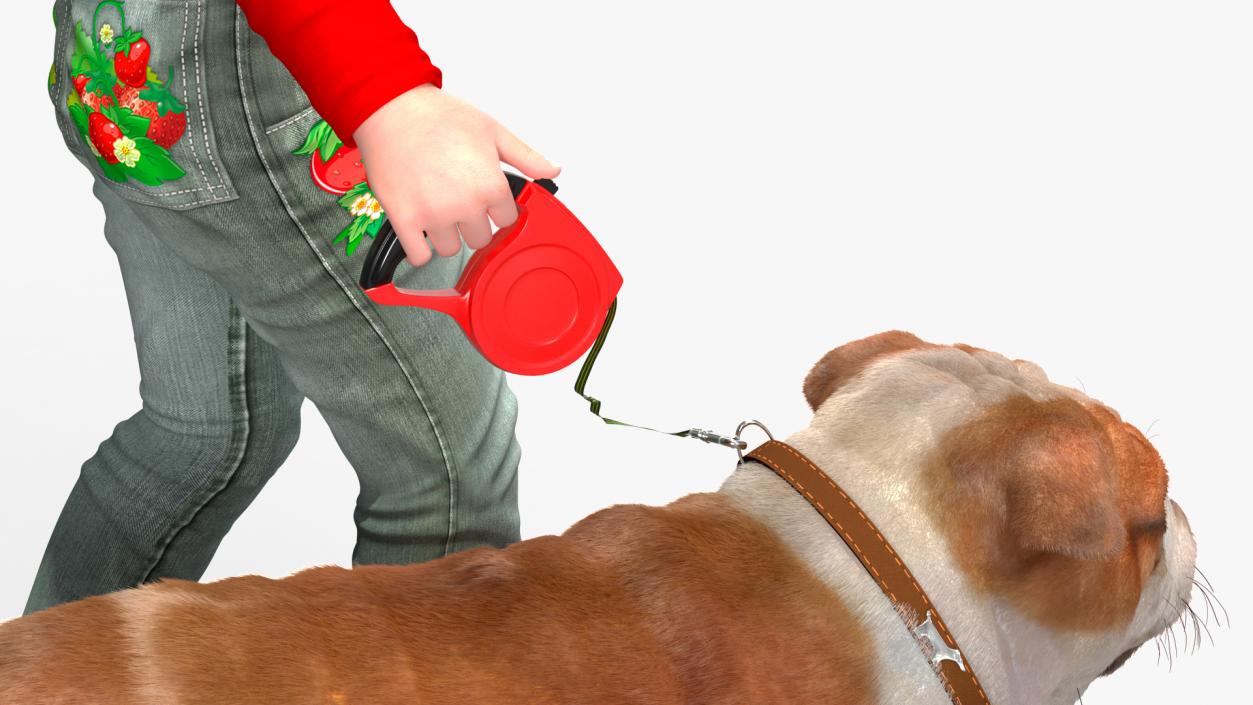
column 1180, row 516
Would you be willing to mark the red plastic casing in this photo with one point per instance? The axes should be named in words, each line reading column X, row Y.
column 533, row 300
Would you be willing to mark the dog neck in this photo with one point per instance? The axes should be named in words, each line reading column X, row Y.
column 1016, row 661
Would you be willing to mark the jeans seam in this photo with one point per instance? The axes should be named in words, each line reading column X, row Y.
column 347, row 290
column 237, row 366
column 290, row 121
column 59, row 47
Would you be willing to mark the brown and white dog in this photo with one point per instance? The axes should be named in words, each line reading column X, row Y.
column 1035, row 518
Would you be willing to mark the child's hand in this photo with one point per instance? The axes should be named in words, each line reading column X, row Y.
column 433, row 161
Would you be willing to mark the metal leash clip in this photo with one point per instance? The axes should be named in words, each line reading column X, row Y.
column 734, row 442
column 739, row 449
column 711, row 437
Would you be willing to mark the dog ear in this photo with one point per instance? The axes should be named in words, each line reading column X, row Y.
column 1052, row 470
column 843, row 363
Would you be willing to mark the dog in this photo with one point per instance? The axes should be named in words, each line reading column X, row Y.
column 1036, row 519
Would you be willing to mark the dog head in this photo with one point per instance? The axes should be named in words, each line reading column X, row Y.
column 1053, row 508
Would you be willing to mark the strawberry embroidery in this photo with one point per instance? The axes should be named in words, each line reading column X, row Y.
column 127, row 115
column 104, row 135
column 167, row 117
column 93, row 101
column 337, row 169
column 130, row 63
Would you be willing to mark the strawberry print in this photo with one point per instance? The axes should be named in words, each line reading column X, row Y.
column 93, row 101
column 167, row 116
column 339, row 173
column 337, row 168
column 131, row 63
column 334, row 167
column 127, row 115
column 104, row 134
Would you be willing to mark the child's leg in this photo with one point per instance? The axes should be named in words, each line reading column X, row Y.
column 218, row 417
column 426, row 422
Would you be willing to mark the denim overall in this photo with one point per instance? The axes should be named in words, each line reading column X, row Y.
column 242, row 307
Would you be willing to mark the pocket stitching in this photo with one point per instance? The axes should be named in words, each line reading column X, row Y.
column 66, row 30
column 203, row 114
column 290, row 121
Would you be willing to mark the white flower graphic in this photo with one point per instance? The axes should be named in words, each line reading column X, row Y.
column 367, row 204
column 359, row 206
column 124, row 150
column 106, row 34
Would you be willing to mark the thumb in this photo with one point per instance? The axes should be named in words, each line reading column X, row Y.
column 519, row 154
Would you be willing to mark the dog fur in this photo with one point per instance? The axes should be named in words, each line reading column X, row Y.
column 1036, row 519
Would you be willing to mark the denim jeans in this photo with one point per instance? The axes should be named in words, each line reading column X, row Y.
column 242, row 307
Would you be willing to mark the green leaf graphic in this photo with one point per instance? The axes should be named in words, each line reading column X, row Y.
column 352, row 245
column 115, row 172
column 83, row 49
column 79, row 115
column 329, row 147
column 157, row 161
column 132, row 125
column 347, row 199
column 316, row 134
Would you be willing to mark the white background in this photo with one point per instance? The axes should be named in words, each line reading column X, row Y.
column 1067, row 182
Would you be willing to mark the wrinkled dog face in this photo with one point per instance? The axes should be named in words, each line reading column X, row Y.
column 1053, row 508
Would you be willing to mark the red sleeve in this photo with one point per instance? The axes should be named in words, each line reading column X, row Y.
column 350, row 56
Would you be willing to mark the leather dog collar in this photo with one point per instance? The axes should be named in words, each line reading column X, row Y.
column 883, row 564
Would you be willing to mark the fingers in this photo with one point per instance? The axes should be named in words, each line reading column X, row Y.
column 412, row 239
column 439, row 230
column 501, row 207
column 444, row 230
column 444, row 238
column 477, row 232
column 435, row 165
column 418, row 241
column 519, row 154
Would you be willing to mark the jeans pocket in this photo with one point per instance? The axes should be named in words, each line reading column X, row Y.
column 323, row 179
column 131, row 97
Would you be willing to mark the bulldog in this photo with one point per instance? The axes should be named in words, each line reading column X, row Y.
column 1034, row 517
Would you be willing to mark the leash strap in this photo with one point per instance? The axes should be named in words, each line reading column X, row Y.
column 881, row 561
column 594, row 403
column 586, row 371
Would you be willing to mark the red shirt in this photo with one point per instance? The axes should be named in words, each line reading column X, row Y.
column 351, row 57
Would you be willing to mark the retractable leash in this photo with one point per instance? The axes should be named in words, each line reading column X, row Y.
column 697, row 433
column 532, row 300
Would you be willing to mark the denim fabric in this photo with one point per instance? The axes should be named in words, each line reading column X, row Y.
column 242, row 308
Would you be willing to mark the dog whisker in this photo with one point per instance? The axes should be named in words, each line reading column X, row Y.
column 1190, row 618
column 1209, row 607
column 1181, row 621
column 1201, row 625
column 1204, row 577
column 1204, row 623
column 1170, row 638
column 1209, row 589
